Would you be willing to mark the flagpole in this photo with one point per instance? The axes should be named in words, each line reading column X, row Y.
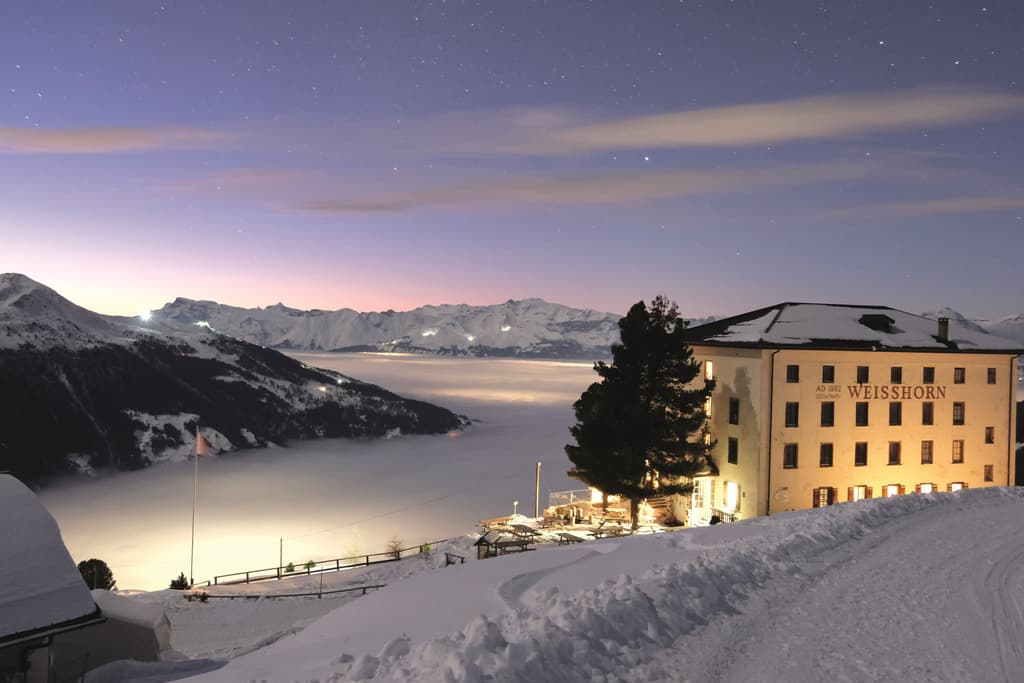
column 195, row 489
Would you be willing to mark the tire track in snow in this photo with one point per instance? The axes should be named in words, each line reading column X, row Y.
column 1007, row 617
column 512, row 590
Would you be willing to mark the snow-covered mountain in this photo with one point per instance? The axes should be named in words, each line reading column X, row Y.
column 1010, row 327
column 78, row 391
column 524, row 328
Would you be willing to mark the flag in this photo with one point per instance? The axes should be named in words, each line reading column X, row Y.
column 202, row 445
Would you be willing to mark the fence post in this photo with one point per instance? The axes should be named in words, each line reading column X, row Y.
column 247, row 577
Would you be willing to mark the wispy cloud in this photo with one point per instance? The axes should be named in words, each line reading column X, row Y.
column 927, row 207
column 600, row 189
column 831, row 117
column 105, row 140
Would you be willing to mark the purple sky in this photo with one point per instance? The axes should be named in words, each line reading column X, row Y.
column 387, row 154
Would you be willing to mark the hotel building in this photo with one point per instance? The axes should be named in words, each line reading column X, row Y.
column 816, row 404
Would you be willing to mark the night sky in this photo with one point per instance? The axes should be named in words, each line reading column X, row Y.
column 387, row 154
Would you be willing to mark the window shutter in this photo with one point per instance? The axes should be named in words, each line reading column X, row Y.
column 964, row 485
column 814, row 497
column 903, row 489
column 831, row 495
column 849, row 493
column 867, row 492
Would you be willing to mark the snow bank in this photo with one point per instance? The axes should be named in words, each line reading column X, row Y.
column 596, row 611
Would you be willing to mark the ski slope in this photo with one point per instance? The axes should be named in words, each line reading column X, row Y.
column 920, row 587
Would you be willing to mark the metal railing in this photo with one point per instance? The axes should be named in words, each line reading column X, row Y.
column 316, row 567
column 557, row 498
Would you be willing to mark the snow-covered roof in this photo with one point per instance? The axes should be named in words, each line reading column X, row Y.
column 810, row 325
column 42, row 590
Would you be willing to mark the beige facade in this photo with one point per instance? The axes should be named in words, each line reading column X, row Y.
column 798, row 427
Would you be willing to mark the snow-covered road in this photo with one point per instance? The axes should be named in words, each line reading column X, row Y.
column 936, row 595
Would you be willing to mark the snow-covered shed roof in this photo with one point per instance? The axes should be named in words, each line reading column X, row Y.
column 836, row 326
column 42, row 591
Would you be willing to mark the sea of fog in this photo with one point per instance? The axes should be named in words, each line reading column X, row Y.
column 338, row 497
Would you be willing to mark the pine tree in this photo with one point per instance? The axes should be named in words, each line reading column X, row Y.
column 640, row 430
column 97, row 574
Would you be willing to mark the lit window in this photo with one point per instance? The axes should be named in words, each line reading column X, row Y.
column 709, row 370
column 859, row 492
column 927, row 448
column 958, row 413
column 792, row 414
column 862, row 374
column 956, row 486
column 828, row 414
column 734, row 450
column 895, row 413
column 926, row 488
column 861, row 414
column 893, row 490
column 828, row 374
column 860, row 454
column 927, row 413
column 707, row 407
column 732, row 496
column 896, row 375
column 990, row 434
column 958, row 451
column 697, row 498
column 988, row 472
column 894, row 452
column 824, row 496
column 792, row 373
column 789, row 456
column 928, row 376
column 958, row 375
column 991, row 375
column 825, row 455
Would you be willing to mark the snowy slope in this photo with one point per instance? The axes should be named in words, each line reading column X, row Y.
column 33, row 314
column 919, row 587
column 529, row 327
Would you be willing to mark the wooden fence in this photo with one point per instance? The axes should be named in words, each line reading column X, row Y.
column 203, row 597
column 315, row 567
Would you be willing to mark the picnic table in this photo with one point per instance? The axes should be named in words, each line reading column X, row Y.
column 567, row 538
column 505, row 546
column 525, row 531
column 613, row 531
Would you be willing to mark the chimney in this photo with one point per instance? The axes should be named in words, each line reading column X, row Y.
column 943, row 330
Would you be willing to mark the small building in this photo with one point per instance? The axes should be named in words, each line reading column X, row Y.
column 816, row 404
column 42, row 593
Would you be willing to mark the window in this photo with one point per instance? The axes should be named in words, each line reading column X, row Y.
column 828, row 414
column 958, row 451
column 789, row 456
column 860, row 454
column 894, row 452
column 732, row 496
column 929, row 376
column 895, row 413
column 792, row 373
column 862, row 414
column 927, row 413
column 925, row 488
column 828, row 374
column 709, row 370
column 734, row 411
column 858, row 492
column 792, row 414
column 991, row 375
column 990, row 434
column 988, row 472
column 890, row 490
column 825, row 457
column 734, row 450
column 707, row 407
column 697, row 497
column 896, row 375
column 927, row 448
column 955, row 486
column 824, row 496
column 862, row 374
column 958, row 413
column 958, row 375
